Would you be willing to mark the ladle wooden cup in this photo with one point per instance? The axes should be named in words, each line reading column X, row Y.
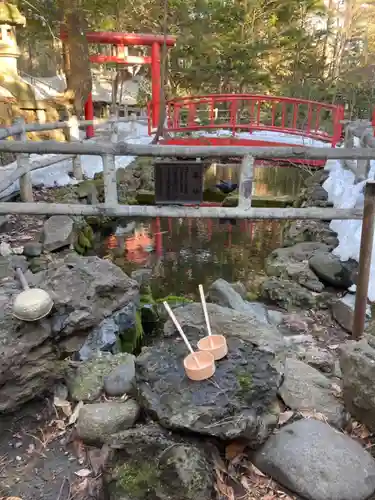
column 198, row 365
column 31, row 304
column 215, row 344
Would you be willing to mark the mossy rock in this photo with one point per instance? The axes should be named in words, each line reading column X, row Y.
column 251, row 296
column 230, row 201
column 213, row 194
column 98, row 176
column 173, row 301
column 80, row 250
column 131, row 338
column 65, row 194
column 127, row 199
column 84, row 238
column 85, row 382
column 37, row 264
column 260, row 201
column 100, row 221
column 142, row 162
column 86, row 188
column 83, row 241
column 151, row 463
column 144, row 197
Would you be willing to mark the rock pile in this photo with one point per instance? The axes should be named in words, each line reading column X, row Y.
column 305, row 274
column 162, row 433
column 162, row 430
column 85, row 291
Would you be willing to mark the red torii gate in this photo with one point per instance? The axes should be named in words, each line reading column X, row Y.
column 120, row 41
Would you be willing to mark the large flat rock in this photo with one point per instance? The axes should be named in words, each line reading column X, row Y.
column 305, row 388
column 239, row 401
column 312, row 459
column 357, row 362
column 85, row 291
column 225, row 321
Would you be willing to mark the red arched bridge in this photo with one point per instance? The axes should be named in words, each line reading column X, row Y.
column 249, row 119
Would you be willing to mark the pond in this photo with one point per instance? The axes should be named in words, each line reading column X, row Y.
column 183, row 253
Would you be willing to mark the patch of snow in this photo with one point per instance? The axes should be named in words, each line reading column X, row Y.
column 344, row 193
column 266, row 135
column 58, row 174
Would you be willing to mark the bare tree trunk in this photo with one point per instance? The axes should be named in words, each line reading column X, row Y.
column 75, row 53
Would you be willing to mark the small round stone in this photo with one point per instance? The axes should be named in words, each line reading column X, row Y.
column 32, row 249
column 120, row 381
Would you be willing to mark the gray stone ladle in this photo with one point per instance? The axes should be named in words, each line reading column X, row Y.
column 31, row 304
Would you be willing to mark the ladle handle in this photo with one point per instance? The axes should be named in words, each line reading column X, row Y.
column 180, row 331
column 22, row 279
column 205, row 312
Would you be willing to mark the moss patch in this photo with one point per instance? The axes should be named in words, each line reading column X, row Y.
column 174, row 299
column 131, row 339
column 245, row 381
column 144, row 197
column 136, row 479
column 84, row 239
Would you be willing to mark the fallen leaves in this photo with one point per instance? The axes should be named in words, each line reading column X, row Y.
column 66, row 408
column 237, row 478
column 234, row 449
column 313, row 414
column 337, row 390
column 83, row 473
column 360, row 433
column 285, row 416
column 64, row 405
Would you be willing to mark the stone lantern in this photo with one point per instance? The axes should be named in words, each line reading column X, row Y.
column 10, row 17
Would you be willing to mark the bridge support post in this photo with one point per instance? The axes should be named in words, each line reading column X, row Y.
column 156, row 83
column 246, row 182
column 89, row 115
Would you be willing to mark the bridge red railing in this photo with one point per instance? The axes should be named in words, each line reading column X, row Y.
column 251, row 112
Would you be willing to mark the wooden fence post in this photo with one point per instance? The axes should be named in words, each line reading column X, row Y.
column 367, row 240
column 23, row 161
column 74, row 137
column 110, row 181
column 133, row 127
column 246, row 182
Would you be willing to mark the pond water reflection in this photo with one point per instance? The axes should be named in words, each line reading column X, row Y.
column 184, row 253
column 268, row 180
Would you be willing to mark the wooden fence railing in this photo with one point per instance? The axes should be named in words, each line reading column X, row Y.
column 19, row 132
column 244, row 210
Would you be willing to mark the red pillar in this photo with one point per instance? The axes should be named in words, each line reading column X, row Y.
column 89, row 115
column 158, row 238
column 156, row 83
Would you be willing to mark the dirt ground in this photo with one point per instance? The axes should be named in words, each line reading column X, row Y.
column 39, row 458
